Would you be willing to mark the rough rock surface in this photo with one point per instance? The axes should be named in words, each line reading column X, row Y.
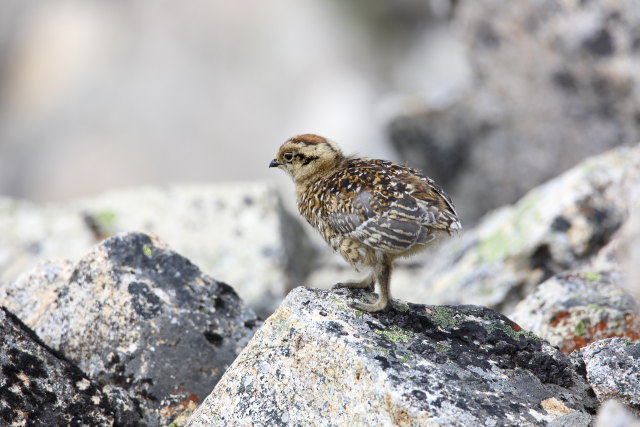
column 318, row 362
column 558, row 226
column 613, row 370
column 221, row 228
column 135, row 314
column 572, row 310
column 524, row 118
column 40, row 388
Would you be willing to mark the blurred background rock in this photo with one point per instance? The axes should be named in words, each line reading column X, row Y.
column 101, row 94
column 489, row 98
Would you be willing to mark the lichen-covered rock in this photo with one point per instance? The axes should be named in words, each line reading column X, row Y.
column 135, row 314
column 316, row 361
column 572, row 310
column 221, row 228
column 523, row 118
column 613, row 370
column 39, row 388
column 558, row 226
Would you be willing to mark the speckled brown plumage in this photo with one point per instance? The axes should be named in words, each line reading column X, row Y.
column 370, row 211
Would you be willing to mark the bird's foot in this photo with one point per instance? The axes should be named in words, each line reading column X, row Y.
column 379, row 305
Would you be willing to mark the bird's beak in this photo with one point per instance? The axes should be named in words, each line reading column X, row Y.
column 274, row 164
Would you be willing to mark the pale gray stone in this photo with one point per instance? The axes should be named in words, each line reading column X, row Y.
column 613, row 370
column 318, row 362
column 238, row 233
column 561, row 225
column 552, row 83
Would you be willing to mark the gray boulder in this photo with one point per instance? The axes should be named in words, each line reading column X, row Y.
column 134, row 314
column 39, row 387
column 613, row 370
column 559, row 226
column 552, row 82
column 316, row 361
column 574, row 309
column 221, row 228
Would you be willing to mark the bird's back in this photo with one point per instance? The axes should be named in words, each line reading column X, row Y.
column 379, row 203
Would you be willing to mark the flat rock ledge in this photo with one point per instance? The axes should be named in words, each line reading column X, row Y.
column 316, row 361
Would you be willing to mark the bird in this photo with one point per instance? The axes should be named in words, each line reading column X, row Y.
column 370, row 211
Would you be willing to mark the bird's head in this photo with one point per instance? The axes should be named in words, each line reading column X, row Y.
column 307, row 156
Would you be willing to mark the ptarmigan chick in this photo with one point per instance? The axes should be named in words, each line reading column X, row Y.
column 370, row 211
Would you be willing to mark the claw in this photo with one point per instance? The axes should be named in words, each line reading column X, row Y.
column 377, row 306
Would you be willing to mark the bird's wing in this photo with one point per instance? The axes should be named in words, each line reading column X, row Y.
column 393, row 226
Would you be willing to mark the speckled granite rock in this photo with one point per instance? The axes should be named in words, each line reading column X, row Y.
column 572, row 310
column 523, row 118
column 613, row 370
column 558, row 226
column 317, row 362
column 39, row 388
column 135, row 314
column 221, row 228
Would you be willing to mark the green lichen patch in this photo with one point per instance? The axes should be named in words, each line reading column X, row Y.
column 494, row 247
column 106, row 219
column 507, row 329
column 580, row 328
column 405, row 358
column 404, row 308
column 592, row 276
column 341, row 305
column 396, row 334
column 146, row 249
column 377, row 350
column 445, row 317
column 440, row 348
column 512, row 234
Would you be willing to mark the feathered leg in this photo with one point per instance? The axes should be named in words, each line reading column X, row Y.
column 382, row 274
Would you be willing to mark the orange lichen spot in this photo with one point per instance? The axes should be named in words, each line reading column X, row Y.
column 556, row 318
column 514, row 325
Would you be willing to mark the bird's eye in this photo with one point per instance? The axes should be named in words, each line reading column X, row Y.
column 288, row 156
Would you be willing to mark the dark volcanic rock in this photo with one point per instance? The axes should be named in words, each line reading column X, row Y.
column 317, row 359
column 39, row 388
column 134, row 314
